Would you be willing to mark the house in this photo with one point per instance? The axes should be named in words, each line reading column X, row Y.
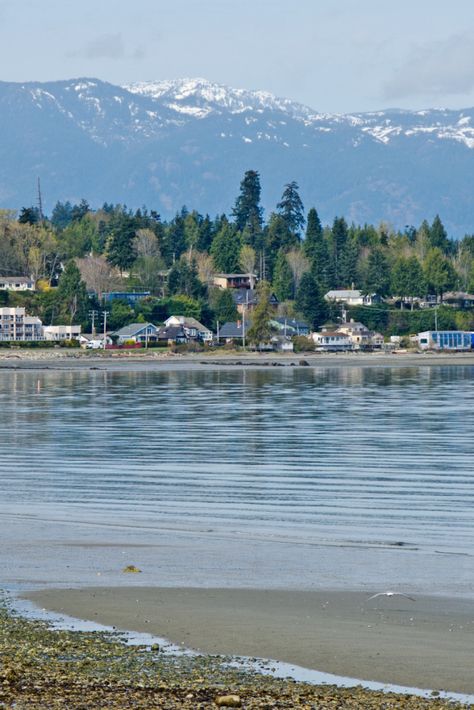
column 445, row 340
column 172, row 335
column 332, row 340
column 459, row 299
column 247, row 298
column 282, row 344
column 234, row 280
column 16, row 283
column 233, row 330
column 290, row 326
column 352, row 297
column 193, row 328
column 358, row 333
column 61, row 332
column 143, row 333
column 15, row 325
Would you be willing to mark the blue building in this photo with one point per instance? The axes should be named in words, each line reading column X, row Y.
column 131, row 297
column 446, row 340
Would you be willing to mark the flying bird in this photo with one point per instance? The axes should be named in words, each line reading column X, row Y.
column 391, row 594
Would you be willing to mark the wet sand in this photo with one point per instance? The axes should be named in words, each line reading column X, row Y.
column 62, row 359
column 428, row 643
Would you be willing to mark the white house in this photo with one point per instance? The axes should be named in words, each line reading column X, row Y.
column 61, row 332
column 445, row 340
column 15, row 325
column 351, row 297
column 192, row 327
column 332, row 340
column 16, row 283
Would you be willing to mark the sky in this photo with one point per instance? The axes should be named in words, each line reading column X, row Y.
column 333, row 55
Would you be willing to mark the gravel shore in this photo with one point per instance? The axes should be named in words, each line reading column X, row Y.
column 43, row 668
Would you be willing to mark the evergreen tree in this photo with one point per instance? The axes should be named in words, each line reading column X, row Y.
column 223, row 305
column 183, row 279
column 29, row 215
column 282, row 278
column 310, row 302
column 406, row 278
column 314, row 235
column 348, row 263
column 277, row 237
column 260, row 332
column 71, row 295
column 79, row 211
column 439, row 236
column 61, row 215
column 174, row 238
column 225, row 248
column 247, row 212
column 339, row 235
column 378, row 274
column 291, row 209
column 439, row 272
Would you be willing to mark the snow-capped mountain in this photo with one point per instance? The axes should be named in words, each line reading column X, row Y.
column 189, row 141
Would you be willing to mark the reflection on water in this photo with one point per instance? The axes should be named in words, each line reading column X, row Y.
column 356, row 454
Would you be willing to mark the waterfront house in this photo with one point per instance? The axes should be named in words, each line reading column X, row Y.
column 332, row 341
column 172, row 335
column 232, row 331
column 358, row 333
column 193, row 328
column 136, row 333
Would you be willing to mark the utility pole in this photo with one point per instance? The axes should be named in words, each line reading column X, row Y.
column 217, row 328
column 40, row 202
column 436, row 318
column 104, row 316
column 93, row 315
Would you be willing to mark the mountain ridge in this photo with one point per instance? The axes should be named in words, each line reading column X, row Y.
column 189, row 141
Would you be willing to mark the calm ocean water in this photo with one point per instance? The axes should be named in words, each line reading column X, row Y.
column 335, row 459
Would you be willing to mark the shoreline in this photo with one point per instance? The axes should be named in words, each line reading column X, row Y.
column 151, row 361
column 423, row 644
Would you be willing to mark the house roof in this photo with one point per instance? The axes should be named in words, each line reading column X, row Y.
column 249, row 296
column 132, row 329
column 343, row 293
column 189, row 322
column 16, row 279
column 235, row 276
column 171, row 332
column 231, row 329
column 292, row 323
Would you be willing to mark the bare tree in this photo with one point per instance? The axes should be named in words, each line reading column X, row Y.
column 97, row 274
column 248, row 260
column 146, row 243
column 299, row 265
column 205, row 266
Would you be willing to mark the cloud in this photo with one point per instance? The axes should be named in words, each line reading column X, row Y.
column 436, row 69
column 108, row 46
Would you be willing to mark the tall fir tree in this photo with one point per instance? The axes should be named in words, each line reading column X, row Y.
column 310, row 302
column 282, row 278
column 225, row 248
column 260, row 331
column 247, row 211
column 339, row 235
column 291, row 209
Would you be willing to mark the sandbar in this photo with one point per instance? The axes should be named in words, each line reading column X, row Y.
column 426, row 643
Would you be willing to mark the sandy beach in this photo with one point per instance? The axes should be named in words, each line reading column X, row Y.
column 427, row 643
column 63, row 359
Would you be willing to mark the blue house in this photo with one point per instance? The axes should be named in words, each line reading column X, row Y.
column 445, row 340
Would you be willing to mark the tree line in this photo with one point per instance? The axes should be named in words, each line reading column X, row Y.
column 78, row 250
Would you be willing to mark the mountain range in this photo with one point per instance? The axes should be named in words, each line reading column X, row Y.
column 166, row 144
